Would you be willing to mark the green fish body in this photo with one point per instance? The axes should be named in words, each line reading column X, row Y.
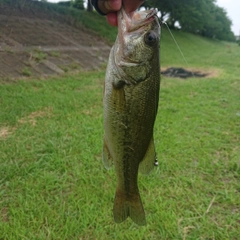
column 131, row 97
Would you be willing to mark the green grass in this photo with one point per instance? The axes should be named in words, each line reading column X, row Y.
column 52, row 181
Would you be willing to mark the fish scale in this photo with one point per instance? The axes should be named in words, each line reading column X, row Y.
column 131, row 96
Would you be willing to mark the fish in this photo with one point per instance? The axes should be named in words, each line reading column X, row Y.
column 130, row 103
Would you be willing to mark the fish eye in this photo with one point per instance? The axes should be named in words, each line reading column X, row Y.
column 150, row 38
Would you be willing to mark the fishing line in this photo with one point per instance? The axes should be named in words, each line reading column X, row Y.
column 178, row 47
column 176, row 43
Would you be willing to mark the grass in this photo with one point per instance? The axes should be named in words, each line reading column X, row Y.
column 38, row 55
column 26, row 72
column 52, row 181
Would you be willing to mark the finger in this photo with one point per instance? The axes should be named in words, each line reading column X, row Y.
column 107, row 6
column 132, row 5
column 112, row 19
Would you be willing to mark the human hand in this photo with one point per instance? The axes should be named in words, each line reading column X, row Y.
column 110, row 8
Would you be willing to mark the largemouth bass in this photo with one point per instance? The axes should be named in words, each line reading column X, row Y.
column 131, row 97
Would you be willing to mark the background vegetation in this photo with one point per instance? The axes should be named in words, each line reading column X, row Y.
column 201, row 17
column 52, row 181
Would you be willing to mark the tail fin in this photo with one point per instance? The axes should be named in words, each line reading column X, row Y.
column 128, row 206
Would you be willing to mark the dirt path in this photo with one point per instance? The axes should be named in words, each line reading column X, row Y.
column 32, row 45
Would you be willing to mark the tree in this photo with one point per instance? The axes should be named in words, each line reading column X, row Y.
column 89, row 6
column 73, row 3
column 201, row 17
column 78, row 4
column 219, row 25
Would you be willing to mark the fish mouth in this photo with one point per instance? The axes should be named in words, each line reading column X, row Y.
column 132, row 26
column 138, row 20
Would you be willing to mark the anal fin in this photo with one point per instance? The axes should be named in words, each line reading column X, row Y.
column 149, row 160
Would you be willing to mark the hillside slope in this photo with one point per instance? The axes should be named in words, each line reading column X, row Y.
column 40, row 39
column 35, row 41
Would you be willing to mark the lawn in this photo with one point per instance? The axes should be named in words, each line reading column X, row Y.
column 52, row 181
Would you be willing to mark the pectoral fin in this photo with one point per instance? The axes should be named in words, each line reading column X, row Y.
column 106, row 156
column 148, row 162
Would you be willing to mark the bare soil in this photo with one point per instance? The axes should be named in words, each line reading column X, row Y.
column 34, row 44
column 182, row 73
